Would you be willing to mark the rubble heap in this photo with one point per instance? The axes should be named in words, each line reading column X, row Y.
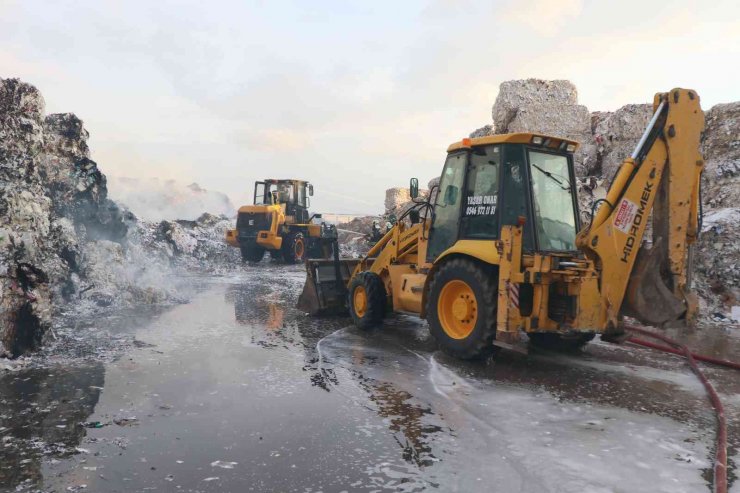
column 718, row 260
column 63, row 241
column 721, row 150
column 616, row 135
column 395, row 199
column 32, row 240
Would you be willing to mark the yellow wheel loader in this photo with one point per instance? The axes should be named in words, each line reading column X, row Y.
column 501, row 250
column 279, row 222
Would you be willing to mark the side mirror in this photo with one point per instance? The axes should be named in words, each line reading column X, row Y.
column 450, row 195
column 414, row 187
column 317, row 216
column 310, row 190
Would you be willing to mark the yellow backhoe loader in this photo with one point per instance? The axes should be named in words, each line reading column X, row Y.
column 501, row 250
column 279, row 222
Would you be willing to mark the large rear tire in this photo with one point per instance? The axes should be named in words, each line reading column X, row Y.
column 461, row 309
column 367, row 300
column 294, row 248
column 252, row 253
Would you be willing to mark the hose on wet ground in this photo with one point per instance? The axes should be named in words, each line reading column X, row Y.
column 720, row 463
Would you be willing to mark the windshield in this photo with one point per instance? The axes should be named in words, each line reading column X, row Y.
column 274, row 193
column 554, row 212
column 263, row 193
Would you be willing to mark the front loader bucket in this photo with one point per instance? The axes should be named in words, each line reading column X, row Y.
column 648, row 298
column 323, row 292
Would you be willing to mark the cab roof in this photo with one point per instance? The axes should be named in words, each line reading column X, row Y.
column 286, row 180
column 548, row 141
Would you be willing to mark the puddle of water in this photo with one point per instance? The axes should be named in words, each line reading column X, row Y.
column 237, row 391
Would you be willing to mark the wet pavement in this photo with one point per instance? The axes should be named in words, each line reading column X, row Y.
column 238, row 391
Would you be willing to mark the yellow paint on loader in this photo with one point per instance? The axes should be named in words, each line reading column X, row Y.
column 605, row 272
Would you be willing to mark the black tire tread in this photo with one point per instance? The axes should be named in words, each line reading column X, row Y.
column 482, row 346
column 376, row 299
column 288, row 247
column 252, row 253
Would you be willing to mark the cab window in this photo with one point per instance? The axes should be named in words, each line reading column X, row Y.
column 447, row 208
column 554, row 207
column 515, row 192
column 480, row 205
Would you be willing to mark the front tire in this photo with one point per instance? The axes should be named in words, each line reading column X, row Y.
column 367, row 300
column 252, row 253
column 461, row 309
column 294, row 248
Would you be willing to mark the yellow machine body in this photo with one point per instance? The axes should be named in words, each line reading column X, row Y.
column 277, row 222
column 610, row 273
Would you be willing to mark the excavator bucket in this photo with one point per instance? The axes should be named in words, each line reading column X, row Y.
column 325, row 291
column 648, row 298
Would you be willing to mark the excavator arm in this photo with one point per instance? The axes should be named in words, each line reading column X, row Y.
column 658, row 182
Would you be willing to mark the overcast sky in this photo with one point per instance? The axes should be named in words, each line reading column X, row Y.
column 353, row 96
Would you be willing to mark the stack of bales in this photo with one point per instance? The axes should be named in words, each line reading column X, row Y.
column 547, row 107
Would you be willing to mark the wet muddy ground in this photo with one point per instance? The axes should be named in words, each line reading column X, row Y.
column 238, row 391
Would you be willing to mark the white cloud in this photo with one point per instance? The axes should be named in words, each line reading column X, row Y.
column 354, row 97
column 543, row 17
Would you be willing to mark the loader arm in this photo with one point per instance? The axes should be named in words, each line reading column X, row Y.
column 325, row 290
column 661, row 179
column 398, row 244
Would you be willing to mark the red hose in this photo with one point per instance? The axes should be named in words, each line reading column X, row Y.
column 698, row 357
column 720, row 463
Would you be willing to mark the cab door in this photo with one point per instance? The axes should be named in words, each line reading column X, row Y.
column 445, row 227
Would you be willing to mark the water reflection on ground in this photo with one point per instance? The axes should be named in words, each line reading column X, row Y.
column 239, row 391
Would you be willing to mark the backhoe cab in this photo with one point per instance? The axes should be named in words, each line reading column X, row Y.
column 279, row 222
column 501, row 250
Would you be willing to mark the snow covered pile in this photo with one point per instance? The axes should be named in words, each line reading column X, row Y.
column 157, row 200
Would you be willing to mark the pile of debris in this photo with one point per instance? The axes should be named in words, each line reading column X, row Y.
column 356, row 236
column 63, row 241
column 616, row 134
column 550, row 107
column 606, row 138
column 718, row 260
